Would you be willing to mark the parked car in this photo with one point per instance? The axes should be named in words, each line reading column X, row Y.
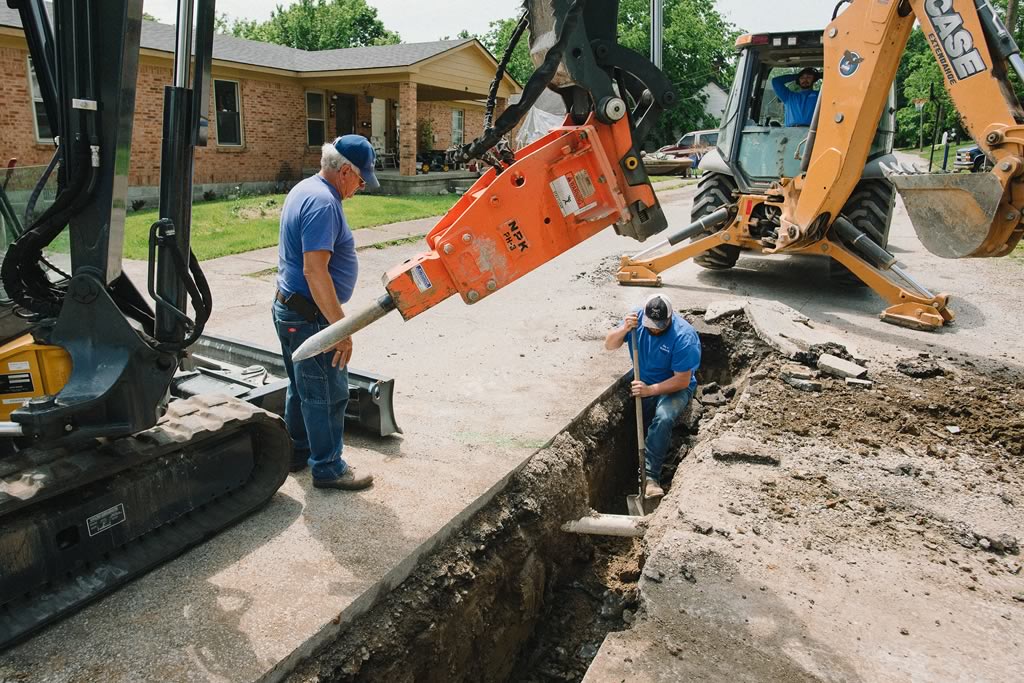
column 698, row 142
column 669, row 159
column 971, row 159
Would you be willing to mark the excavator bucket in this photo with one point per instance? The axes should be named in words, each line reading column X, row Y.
column 952, row 213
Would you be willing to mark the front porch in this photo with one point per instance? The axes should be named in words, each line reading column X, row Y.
column 436, row 182
column 411, row 104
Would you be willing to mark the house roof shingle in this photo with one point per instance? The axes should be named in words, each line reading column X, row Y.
column 160, row 37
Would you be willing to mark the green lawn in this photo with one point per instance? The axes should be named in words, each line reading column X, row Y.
column 232, row 226
column 922, row 153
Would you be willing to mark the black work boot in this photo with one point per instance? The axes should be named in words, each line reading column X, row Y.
column 350, row 481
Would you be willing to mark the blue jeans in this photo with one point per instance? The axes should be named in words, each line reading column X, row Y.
column 660, row 415
column 314, row 409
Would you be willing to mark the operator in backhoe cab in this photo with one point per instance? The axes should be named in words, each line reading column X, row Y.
column 669, row 350
column 799, row 103
column 316, row 275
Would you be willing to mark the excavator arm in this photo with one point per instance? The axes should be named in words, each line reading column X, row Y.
column 544, row 199
column 954, row 215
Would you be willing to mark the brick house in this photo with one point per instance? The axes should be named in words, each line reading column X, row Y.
column 271, row 106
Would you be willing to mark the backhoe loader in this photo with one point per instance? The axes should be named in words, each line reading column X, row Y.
column 824, row 203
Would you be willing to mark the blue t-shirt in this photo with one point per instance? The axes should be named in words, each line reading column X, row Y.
column 799, row 103
column 312, row 220
column 677, row 349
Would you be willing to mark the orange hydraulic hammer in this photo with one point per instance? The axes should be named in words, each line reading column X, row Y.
column 562, row 189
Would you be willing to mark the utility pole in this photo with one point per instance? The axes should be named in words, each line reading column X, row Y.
column 657, row 23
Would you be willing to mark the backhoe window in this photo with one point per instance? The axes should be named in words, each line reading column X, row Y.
column 728, row 129
column 770, row 150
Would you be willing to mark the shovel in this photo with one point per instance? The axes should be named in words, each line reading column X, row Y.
column 635, row 503
column 622, row 525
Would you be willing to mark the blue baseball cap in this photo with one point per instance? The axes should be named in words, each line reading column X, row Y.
column 359, row 151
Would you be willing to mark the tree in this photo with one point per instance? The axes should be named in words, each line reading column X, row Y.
column 222, row 24
column 319, row 25
column 698, row 47
column 919, row 77
column 520, row 66
column 146, row 16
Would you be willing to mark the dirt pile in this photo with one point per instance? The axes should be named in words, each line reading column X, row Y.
column 851, row 532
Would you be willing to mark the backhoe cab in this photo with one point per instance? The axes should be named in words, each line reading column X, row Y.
column 756, row 149
column 748, row 178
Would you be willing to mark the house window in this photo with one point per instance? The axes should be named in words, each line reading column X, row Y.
column 315, row 128
column 229, row 113
column 39, row 120
column 458, row 127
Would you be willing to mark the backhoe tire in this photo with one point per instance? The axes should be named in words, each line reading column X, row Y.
column 869, row 208
column 714, row 191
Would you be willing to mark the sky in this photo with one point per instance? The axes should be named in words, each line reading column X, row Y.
column 425, row 20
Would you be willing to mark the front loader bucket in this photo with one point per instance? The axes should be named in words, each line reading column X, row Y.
column 952, row 213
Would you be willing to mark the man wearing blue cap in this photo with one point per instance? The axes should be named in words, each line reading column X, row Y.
column 669, row 351
column 317, row 271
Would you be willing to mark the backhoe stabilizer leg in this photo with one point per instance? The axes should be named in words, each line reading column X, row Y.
column 645, row 273
column 920, row 310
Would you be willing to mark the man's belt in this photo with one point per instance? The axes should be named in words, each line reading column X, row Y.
column 299, row 304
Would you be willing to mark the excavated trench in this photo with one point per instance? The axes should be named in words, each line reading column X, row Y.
column 511, row 597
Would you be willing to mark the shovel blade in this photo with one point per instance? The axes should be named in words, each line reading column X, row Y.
column 952, row 213
column 635, row 506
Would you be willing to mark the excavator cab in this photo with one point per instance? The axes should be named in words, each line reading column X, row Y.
column 756, row 148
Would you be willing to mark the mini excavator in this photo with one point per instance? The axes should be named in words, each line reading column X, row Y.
column 126, row 434
column 112, row 460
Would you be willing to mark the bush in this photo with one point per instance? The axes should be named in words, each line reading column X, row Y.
column 137, row 204
column 426, row 134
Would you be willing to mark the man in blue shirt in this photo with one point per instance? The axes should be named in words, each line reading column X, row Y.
column 799, row 103
column 668, row 350
column 317, row 271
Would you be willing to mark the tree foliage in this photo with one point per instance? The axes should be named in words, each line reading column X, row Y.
column 520, row 66
column 697, row 47
column 319, row 25
column 919, row 77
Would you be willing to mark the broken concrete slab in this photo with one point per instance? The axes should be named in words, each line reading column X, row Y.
column 859, row 383
column 802, row 384
column 833, row 365
column 788, row 331
column 717, row 310
column 732, row 449
column 796, row 371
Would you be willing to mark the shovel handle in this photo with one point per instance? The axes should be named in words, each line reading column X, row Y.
column 639, row 416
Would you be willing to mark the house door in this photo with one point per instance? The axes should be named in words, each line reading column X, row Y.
column 345, row 114
column 378, row 126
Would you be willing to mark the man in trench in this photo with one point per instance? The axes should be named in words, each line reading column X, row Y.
column 669, row 350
